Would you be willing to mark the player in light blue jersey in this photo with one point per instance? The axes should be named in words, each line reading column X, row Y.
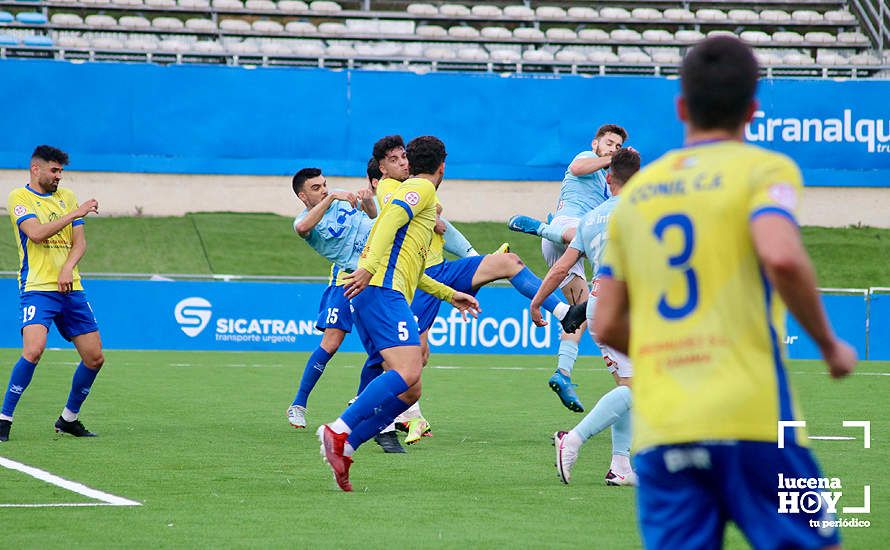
column 613, row 409
column 583, row 189
column 337, row 229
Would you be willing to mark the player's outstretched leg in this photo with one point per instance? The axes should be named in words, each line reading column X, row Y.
column 525, row 224
column 561, row 380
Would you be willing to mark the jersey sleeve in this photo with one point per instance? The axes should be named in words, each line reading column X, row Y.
column 72, row 204
column 435, row 288
column 776, row 188
column 19, row 208
column 612, row 263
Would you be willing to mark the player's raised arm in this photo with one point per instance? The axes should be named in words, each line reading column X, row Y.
column 366, row 200
column 39, row 232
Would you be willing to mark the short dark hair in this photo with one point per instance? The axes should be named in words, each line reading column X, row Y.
column 373, row 171
column 625, row 163
column 49, row 153
column 386, row 144
column 611, row 129
column 425, row 154
column 303, row 175
column 719, row 79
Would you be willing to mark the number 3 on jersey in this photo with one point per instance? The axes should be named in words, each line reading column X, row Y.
column 679, row 261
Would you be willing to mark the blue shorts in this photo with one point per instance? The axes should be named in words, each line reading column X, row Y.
column 688, row 492
column 333, row 310
column 70, row 312
column 458, row 274
column 383, row 320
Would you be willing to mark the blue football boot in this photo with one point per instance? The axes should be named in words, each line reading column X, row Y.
column 525, row 224
column 562, row 385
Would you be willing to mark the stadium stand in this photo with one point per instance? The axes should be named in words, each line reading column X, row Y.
column 812, row 38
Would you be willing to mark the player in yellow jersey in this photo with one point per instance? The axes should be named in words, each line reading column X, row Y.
column 48, row 228
column 703, row 250
column 389, row 272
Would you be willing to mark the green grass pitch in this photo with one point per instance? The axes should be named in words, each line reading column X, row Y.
column 201, row 439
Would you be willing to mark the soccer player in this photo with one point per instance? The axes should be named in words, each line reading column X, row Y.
column 704, row 254
column 583, row 188
column 48, row 225
column 613, row 409
column 389, row 271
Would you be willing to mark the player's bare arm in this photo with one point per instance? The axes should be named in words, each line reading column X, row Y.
column 78, row 248
column 781, row 252
column 316, row 213
column 39, row 232
column 611, row 321
column 440, row 227
column 466, row 303
column 582, row 167
column 551, row 282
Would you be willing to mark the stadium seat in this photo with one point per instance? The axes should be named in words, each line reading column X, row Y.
column 774, row 16
column 678, row 14
column 666, row 56
column 198, row 4
column 94, row 1
column 537, row 55
column 570, row 56
column 596, row 36
column 8, row 40
column 422, row 9
column 266, row 26
column 160, row 3
column 819, row 37
column 31, row 18
column 208, row 46
column 38, row 41
column 247, row 47
column 505, row 56
column 380, row 49
column 234, row 25
column 685, row 35
column 787, row 37
column 454, row 10
column 107, row 43
column 340, row 50
column 167, row 23
column 73, row 42
column 582, row 13
column 710, row 15
column 199, row 24
column 324, row 6
column 755, row 37
column 308, row 48
column 560, row 33
column 431, row 31
column 292, row 6
column 830, row 57
column 332, row 28
column 100, row 21
column 528, row 33
column 496, row 33
column 808, row 16
column 135, row 22
column 646, row 14
column 720, row 32
column 797, row 58
column 59, row 19
column 865, row 58
column 440, row 53
column 388, row 26
column 6, row 17
column 144, row 43
column 743, row 15
column 173, row 45
column 839, row 16
column 520, row 12
column 472, row 54
column 275, row 47
column 614, row 13
column 127, row 2
column 852, row 38
column 657, row 35
column 550, row 12
column 260, row 5
column 362, row 26
column 463, row 32
column 486, row 10
column 625, row 35
column 300, row 27
column 228, row 5
column 767, row 58
column 602, row 57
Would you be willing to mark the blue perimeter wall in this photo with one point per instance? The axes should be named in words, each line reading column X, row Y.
column 232, row 120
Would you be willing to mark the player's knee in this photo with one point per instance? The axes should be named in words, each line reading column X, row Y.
column 94, row 360
column 33, row 353
column 412, row 394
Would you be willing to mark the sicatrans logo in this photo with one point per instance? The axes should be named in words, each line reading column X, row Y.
column 874, row 133
column 192, row 314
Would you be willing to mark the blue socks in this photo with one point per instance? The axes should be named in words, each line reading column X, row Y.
column 527, row 284
column 608, row 411
column 311, row 373
column 553, row 233
column 80, row 387
column 21, row 376
column 369, row 373
column 387, row 384
column 391, row 407
column 456, row 243
column 568, row 352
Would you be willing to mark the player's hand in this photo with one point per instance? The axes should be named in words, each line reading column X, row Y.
column 537, row 318
column 364, row 194
column 346, row 196
column 841, row 358
column 66, row 280
column 89, row 207
column 355, row 282
column 466, row 304
column 439, row 228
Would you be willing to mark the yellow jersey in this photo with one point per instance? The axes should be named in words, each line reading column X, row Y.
column 337, row 276
column 385, row 189
column 40, row 263
column 399, row 243
column 707, row 330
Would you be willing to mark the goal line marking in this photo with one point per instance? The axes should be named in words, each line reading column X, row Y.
column 73, row 486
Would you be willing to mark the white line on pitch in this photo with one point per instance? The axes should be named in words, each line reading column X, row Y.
column 72, row 486
column 57, row 505
column 831, row 437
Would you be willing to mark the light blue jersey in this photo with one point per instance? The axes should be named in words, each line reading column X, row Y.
column 581, row 194
column 341, row 234
column 590, row 238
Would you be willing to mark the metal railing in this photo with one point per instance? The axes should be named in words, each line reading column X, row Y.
column 874, row 15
